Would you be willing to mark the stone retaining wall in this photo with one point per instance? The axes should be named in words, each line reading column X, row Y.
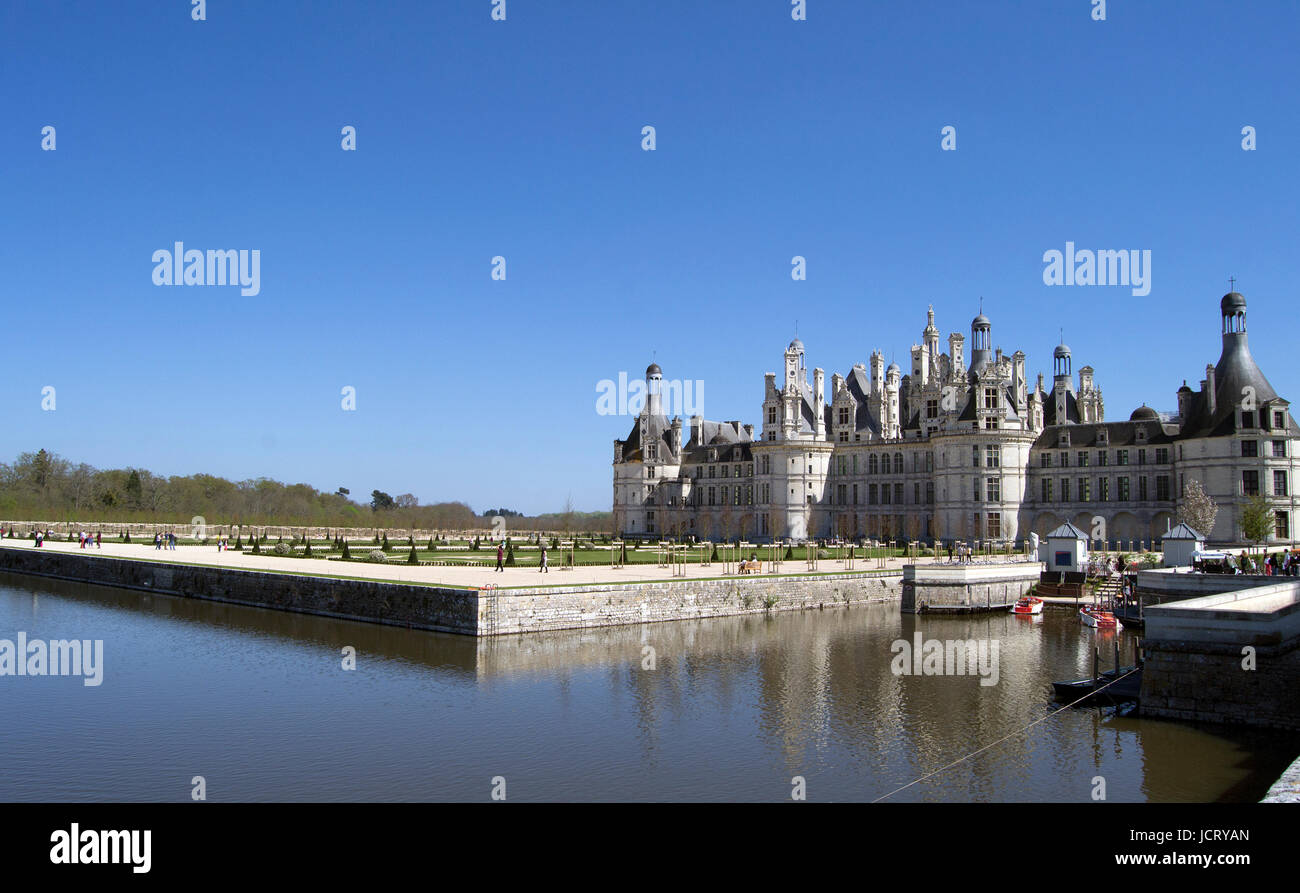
column 421, row 607
column 531, row 610
column 962, row 588
column 1206, row 682
column 466, row 611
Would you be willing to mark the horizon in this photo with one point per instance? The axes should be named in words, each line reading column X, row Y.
column 523, row 140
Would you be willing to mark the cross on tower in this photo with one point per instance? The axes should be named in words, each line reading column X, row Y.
column 1232, row 281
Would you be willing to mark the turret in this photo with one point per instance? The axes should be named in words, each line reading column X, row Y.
column 653, row 389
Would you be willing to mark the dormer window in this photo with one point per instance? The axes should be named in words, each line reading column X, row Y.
column 1142, row 435
column 1101, row 437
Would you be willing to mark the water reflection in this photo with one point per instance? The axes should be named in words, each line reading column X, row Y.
column 733, row 709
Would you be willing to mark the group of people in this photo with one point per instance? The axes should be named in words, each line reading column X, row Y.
column 965, row 554
column 86, row 540
column 164, row 541
column 1275, row 564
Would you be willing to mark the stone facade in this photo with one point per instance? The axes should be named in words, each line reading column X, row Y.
column 960, row 450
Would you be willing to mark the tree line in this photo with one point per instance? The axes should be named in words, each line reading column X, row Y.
column 44, row 486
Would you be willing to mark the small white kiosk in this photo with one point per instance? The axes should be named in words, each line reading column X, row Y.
column 1065, row 550
column 1179, row 544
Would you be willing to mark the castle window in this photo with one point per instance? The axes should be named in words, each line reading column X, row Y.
column 844, row 415
column 1279, row 449
column 929, row 492
column 1047, row 490
column 1282, row 526
column 1279, row 483
column 713, row 471
column 898, row 463
column 873, row 466
column 990, row 423
column 992, row 456
column 1065, row 489
column 1085, row 489
column 1121, row 457
column 898, row 493
column 994, row 525
column 990, row 398
column 1102, row 436
column 724, row 495
column 1083, row 459
column 993, row 490
column 1162, row 455
column 726, row 471
column 844, row 437
column 1124, row 490
column 932, row 409
column 1142, row 489
column 1065, row 460
column 1248, row 420
column 873, row 494
column 1045, row 460
column 1162, row 487
column 1102, row 457
column 771, row 415
column 1250, row 449
column 1250, row 483
column 1103, row 489
column 1279, row 419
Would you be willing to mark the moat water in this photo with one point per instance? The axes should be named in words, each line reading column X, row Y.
column 258, row 703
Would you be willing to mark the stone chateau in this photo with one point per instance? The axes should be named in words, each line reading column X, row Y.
column 964, row 447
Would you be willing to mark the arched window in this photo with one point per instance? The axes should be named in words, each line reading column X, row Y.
column 898, row 463
column 872, row 465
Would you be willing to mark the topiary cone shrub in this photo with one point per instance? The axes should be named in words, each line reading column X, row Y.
column 412, row 558
column 385, row 546
column 347, row 554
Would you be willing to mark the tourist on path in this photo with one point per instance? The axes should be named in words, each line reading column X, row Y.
column 542, row 568
column 501, row 552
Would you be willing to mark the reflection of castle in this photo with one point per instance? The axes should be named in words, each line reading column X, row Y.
column 959, row 452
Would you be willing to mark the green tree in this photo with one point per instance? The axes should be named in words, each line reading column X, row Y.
column 1257, row 520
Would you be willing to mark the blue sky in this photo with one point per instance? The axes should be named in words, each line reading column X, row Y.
column 522, row 139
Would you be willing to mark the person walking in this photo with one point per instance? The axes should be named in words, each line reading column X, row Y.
column 99, row 539
column 542, row 567
column 501, row 553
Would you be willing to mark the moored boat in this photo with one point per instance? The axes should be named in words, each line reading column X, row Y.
column 1028, row 605
column 1098, row 619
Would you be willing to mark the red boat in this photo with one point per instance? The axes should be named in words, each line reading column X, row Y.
column 1028, row 605
column 1098, row 619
